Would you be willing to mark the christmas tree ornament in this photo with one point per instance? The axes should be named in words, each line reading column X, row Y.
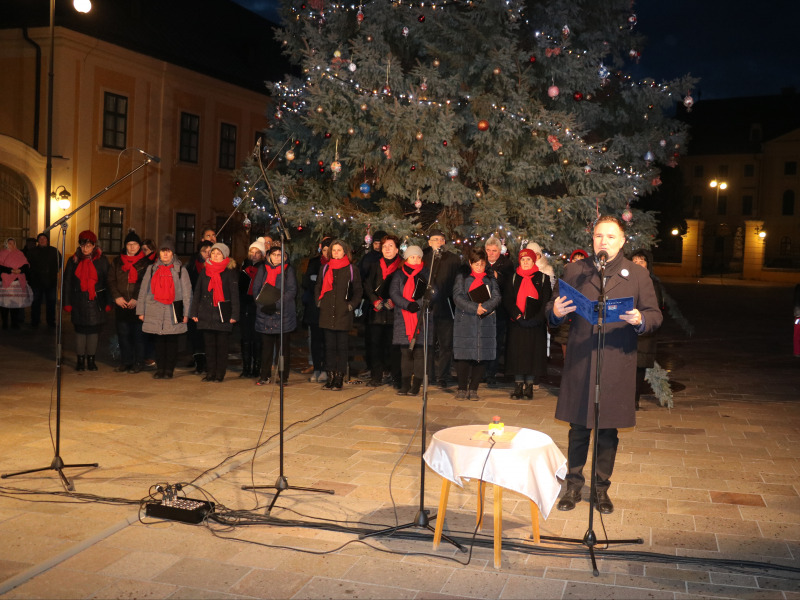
column 553, row 91
column 350, row 130
column 278, row 115
column 237, row 201
column 320, row 109
column 497, row 71
column 587, row 169
column 360, row 16
column 627, row 214
column 632, row 20
column 419, row 136
column 367, row 239
column 688, row 102
column 327, row 134
column 565, row 31
column 386, row 90
column 649, row 157
column 413, row 167
column 602, row 72
column 246, row 223
column 365, row 188
column 418, row 201
column 424, row 85
column 503, row 247
column 452, row 172
column 387, row 151
column 553, row 141
column 352, row 67
column 483, row 125
column 421, row 18
column 364, row 106
column 532, row 59
column 283, row 199
column 577, row 96
column 337, row 54
column 405, row 31
column 436, row 62
column 662, row 143
column 369, row 38
column 444, row 142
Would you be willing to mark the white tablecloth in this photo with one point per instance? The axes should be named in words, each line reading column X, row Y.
column 530, row 463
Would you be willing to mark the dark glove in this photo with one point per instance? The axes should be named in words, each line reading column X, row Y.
column 428, row 296
column 412, row 307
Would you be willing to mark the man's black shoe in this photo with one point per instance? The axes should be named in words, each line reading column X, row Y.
column 570, row 498
column 603, row 503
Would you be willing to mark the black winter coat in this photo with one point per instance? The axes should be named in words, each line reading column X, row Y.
column 474, row 338
column 335, row 309
column 270, row 321
column 88, row 316
column 374, row 284
column 120, row 287
column 618, row 377
column 308, row 285
column 208, row 315
column 445, row 269
column 399, row 336
column 526, row 338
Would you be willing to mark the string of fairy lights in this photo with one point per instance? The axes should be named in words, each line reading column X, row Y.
column 293, row 99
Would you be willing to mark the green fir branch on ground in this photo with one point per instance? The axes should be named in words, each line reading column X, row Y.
column 658, row 378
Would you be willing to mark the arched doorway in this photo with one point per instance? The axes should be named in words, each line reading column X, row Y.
column 15, row 206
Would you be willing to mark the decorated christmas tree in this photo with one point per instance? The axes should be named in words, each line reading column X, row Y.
column 476, row 117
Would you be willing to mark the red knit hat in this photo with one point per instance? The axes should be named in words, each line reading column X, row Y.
column 527, row 252
column 88, row 235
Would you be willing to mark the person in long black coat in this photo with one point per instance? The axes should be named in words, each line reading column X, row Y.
column 311, row 310
column 86, row 297
column 250, row 341
column 648, row 342
column 215, row 308
column 474, row 331
column 443, row 266
column 407, row 292
column 618, row 377
column 525, row 296
column 338, row 293
column 384, row 355
column 501, row 267
column 194, row 267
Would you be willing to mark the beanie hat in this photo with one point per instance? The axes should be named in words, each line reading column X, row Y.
column 259, row 245
column 535, row 247
column 527, row 252
column 379, row 235
column 434, row 232
column 578, row 252
column 89, row 235
column 132, row 237
column 326, row 241
column 412, row 251
column 226, row 252
column 168, row 243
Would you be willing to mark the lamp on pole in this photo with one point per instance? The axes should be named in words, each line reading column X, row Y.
column 82, row 6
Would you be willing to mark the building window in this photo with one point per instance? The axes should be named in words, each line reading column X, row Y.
column 184, row 234
column 698, row 171
column 747, row 206
column 110, row 238
column 790, row 167
column 722, row 170
column 749, row 170
column 786, row 246
column 697, row 205
column 227, row 146
column 722, row 205
column 115, row 121
column 788, row 203
column 190, row 137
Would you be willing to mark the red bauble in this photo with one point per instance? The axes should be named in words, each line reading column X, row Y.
column 327, row 134
column 553, row 91
column 532, row 59
column 577, row 96
column 483, row 124
column 444, row 142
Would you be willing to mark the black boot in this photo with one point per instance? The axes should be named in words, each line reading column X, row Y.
column 199, row 363
column 416, row 383
column 338, row 381
column 247, row 360
column 90, row 364
column 517, row 393
column 405, row 386
column 80, row 365
column 329, row 382
column 529, row 391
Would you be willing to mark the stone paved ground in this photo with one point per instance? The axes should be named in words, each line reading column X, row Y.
column 715, row 479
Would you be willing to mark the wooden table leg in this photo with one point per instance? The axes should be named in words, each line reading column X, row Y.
column 498, row 524
column 437, row 534
column 535, row 522
column 481, row 504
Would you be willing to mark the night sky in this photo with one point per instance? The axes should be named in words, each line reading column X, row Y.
column 736, row 47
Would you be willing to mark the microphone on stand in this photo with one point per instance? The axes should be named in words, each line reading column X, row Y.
column 154, row 159
column 602, row 257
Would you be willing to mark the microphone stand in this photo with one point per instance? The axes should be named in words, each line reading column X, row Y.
column 57, row 463
column 281, row 484
column 590, row 538
column 423, row 518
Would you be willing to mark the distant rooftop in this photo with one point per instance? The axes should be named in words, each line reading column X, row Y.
column 741, row 125
column 215, row 37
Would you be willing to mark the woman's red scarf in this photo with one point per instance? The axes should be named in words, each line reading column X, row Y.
column 199, row 265
column 213, row 270
column 478, row 280
column 251, row 271
column 87, row 275
column 327, row 281
column 127, row 265
column 387, row 270
column 410, row 319
column 162, row 284
column 272, row 273
column 526, row 288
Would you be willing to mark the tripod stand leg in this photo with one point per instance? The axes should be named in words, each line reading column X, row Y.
column 58, row 466
column 282, row 484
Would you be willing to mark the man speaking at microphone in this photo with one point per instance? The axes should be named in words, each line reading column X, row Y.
column 617, row 400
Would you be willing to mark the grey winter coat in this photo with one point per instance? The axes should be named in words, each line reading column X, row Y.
column 474, row 338
column 270, row 322
column 159, row 318
column 208, row 315
column 399, row 337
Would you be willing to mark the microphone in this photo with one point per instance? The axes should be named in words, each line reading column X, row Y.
column 602, row 257
column 154, row 159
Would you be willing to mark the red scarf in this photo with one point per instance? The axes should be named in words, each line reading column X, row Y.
column 162, row 284
column 387, row 270
column 213, row 270
column 199, row 265
column 411, row 319
column 87, row 274
column 272, row 273
column 478, row 280
column 127, row 265
column 526, row 288
column 251, row 273
column 327, row 281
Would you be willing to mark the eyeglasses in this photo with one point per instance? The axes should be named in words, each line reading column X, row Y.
column 85, row 243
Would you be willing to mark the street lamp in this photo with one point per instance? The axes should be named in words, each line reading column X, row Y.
column 62, row 197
